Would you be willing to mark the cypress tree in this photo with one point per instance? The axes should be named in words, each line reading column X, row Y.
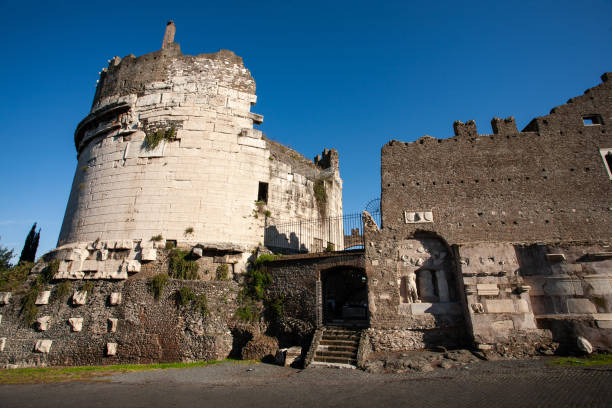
column 28, row 254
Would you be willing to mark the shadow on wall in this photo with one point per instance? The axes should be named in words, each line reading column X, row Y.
column 280, row 242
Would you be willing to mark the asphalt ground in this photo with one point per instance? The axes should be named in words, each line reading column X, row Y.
column 493, row 384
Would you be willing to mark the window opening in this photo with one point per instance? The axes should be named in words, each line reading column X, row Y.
column 262, row 194
column 590, row 120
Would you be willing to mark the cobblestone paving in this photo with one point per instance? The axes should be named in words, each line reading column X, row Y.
column 491, row 384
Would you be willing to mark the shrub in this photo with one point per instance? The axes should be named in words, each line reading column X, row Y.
column 28, row 303
column 184, row 295
column 330, row 247
column 157, row 238
column 15, row 276
column 62, row 290
column 275, row 307
column 267, row 213
column 152, row 139
column 222, row 272
column 88, row 286
column 181, row 268
column 169, row 245
column 189, row 230
column 157, row 284
column 201, row 305
column 50, row 270
column 248, row 312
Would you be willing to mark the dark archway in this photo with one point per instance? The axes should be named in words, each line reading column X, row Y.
column 344, row 291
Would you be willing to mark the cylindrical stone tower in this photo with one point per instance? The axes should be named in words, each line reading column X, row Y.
column 169, row 152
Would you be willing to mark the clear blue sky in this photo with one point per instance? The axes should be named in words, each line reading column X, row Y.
column 345, row 74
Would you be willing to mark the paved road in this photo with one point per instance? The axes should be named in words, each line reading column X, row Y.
column 484, row 384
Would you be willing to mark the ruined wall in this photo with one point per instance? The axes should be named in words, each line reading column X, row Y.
column 399, row 319
column 546, row 183
column 143, row 330
column 297, row 280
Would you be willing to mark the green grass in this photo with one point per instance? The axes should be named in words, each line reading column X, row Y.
column 593, row 360
column 83, row 373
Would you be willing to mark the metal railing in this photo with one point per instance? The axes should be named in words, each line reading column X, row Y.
column 317, row 235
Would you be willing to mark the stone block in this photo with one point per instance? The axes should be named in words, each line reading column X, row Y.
column 79, row 297
column 92, row 265
column 112, row 325
column 43, row 297
column 555, row 257
column 435, row 308
column 133, row 266
column 248, row 141
column 76, row 323
column 150, row 99
column 499, row 305
column 43, row 346
column 115, row 298
column 42, row 323
column 0, row 319
column 415, row 217
column 197, row 252
column 2, row 343
column 149, row 254
column 111, row 349
column 487, row 289
column 522, row 306
column 554, row 286
column 503, row 325
column 584, row 345
column 580, row 306
column 477, row 307
column 598, row 285
column 124, row 244
column 5, row 297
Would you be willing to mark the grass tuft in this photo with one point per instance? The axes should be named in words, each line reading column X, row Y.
column 592, row 360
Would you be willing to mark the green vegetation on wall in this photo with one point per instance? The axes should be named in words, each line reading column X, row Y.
column 153, row 139
column 181, row 268
column 157, row 285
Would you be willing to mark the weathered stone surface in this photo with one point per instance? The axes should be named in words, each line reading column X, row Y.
column 581, row 306
column 499, row 305
column 260, row 347
column 584, row 345
column 79, row 298
column 149, row 254
column 5, row 297
column 43, row 297
column 112, row 325
column 2, row 343
column 115, row 298
column 111, row 349
column 42, row 323
column 43, row 346
column 76, row 323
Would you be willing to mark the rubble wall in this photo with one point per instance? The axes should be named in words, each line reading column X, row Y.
column 546, row 183
column 144, row 330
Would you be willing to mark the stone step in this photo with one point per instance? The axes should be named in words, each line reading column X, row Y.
column 325, row 347
column 339, row 337
column 341, row 342
column 339, row 354
column 340, row 360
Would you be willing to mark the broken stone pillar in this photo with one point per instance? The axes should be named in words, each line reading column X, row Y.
column 442, row 285
column 2, row 343
column 111, row 349
column 504, row 126
column 79, row 297
column 42, row 323
column 112, row 325
column 43, row 297
column 584, row 345
column 43, row 346
column 115, row 298
column 5, row 297
column 169, row 34
column 467, row 129
column 425, row 282
column 76, row 323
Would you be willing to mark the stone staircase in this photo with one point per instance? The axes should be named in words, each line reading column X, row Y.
column 338, row 347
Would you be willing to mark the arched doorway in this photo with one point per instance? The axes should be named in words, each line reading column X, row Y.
column 344, row 296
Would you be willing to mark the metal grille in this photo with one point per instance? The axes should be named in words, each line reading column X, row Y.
column 317, row 235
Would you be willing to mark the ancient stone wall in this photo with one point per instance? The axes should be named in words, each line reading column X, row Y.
column 119, row 322
column 549, row 182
